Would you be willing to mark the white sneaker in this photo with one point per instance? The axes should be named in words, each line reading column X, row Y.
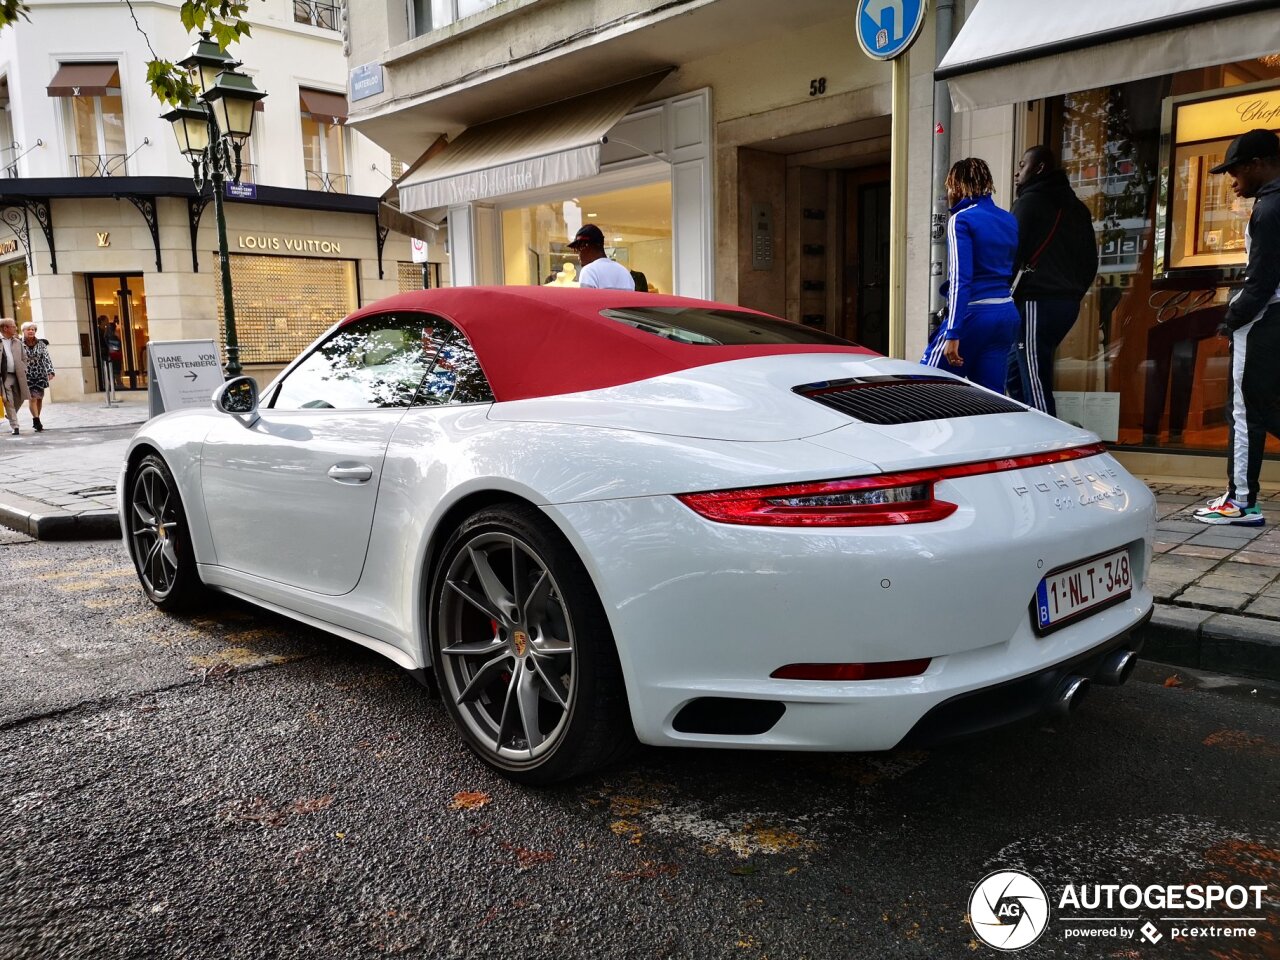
column 1215, row 503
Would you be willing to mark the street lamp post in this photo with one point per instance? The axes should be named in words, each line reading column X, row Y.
column 211, row 132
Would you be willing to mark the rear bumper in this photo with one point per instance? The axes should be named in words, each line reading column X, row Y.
column 1012, row 701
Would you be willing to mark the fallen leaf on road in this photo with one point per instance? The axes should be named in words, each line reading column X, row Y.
column 529, row 858
column 1173, row 681
column 648, row 871
column 311, row 805
column 469, row 800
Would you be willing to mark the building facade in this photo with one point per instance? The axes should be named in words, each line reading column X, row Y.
column 104, row 229
column 741, row 151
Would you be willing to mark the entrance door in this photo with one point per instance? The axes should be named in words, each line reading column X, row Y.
column 866, row 273
column 119, row 304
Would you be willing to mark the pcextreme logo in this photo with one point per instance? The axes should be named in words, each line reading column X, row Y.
column 1010, row 910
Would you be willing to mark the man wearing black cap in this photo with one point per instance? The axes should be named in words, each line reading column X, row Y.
column 1252, row 324
column 597, row 269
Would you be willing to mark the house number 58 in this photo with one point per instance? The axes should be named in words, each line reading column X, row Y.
column 817, row 86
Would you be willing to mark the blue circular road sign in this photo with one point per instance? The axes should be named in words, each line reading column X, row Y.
column 886, row 28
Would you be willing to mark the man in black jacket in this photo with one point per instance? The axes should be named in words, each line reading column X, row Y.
column 1058, row 257
column 1252, row 324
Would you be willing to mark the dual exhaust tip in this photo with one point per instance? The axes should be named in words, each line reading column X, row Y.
column 1114, row 671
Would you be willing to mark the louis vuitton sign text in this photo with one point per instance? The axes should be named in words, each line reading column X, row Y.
column 257, row 241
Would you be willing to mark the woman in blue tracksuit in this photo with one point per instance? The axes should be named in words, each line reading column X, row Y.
column 982, row 322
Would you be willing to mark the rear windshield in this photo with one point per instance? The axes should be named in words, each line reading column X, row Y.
column 718, row 328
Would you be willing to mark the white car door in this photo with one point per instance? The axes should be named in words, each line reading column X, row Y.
column 291, row 498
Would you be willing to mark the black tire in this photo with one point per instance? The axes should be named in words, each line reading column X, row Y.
column 159, row 539
column 527, row 635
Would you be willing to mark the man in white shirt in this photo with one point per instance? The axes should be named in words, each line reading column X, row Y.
column 598, row 270
column 13, row 372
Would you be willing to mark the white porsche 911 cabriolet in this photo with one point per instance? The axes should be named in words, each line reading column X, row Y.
column 597, row 516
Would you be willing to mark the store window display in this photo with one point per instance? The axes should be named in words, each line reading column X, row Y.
column 1143, row 367
column 635, row 223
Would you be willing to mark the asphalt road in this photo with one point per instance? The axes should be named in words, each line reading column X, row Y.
column 236, row 786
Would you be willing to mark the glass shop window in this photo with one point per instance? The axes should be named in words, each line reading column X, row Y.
column 636, row 222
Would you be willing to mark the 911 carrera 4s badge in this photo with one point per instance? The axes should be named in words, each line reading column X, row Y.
column 521, row 641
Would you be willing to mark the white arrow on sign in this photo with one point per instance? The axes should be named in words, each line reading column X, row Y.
column 876, row 9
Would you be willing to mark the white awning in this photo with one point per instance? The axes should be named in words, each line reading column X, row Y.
column 1016, row 50
column 556, row 143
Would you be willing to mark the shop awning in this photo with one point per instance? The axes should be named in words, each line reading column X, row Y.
column 1006, row 53
column 84, row 80
column 556, row 143
column 329, row 107
column 408, row 225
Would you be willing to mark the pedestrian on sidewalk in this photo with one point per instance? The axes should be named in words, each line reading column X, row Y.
column 1057, row 260
column 981, row 242
column 13, row 372
column 1252, row 325
column 35, row 351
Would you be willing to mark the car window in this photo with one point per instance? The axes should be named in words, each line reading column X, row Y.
column 455, row 375
column 709, row 327
column 377, row 361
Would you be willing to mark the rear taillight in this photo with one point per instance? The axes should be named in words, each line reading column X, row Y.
column 889, row 498
column 883, row 670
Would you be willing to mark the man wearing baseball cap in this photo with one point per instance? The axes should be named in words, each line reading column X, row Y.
column 597, row 269
column 1252, row 324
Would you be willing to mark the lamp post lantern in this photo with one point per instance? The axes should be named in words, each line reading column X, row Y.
column 211, row 131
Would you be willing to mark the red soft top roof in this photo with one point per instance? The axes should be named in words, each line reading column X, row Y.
column 543, row 341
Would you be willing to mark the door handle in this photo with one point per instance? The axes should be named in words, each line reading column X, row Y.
column 351, row 472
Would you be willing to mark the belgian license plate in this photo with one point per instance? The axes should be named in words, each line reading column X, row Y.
column 1070, row 593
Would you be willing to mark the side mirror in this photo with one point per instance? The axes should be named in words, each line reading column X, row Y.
column 238, row 397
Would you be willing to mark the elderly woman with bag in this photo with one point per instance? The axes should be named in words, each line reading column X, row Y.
column 39, row 369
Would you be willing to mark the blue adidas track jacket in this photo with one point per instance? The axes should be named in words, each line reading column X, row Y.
column 982, row 241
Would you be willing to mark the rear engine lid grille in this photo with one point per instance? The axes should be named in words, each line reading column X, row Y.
column 888, row 400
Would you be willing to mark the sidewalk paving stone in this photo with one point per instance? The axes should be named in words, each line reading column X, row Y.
column 1257, row 557
column 1265, row 606
column 1214, row 599
column 1192, row 550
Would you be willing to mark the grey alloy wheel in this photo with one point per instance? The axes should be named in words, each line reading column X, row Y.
column 158, row 537
column 523, row 651
column 509, row 662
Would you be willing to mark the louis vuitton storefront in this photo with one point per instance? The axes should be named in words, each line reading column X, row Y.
column 105, row 265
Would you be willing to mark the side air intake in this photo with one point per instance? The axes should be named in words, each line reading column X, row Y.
column 907, row 399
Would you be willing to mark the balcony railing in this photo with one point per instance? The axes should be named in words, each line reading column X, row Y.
column 98, row 164
column 248, row 173
column 328, row 182
column 317, row 13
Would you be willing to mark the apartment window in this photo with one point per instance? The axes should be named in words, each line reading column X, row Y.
column 428, row 15
column 324, row 147
column 93, row 118
column 317, row 13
